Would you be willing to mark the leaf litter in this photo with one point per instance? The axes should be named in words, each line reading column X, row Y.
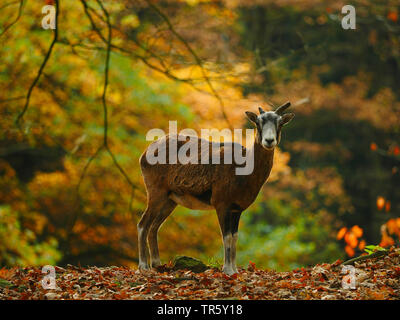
column 375, row 279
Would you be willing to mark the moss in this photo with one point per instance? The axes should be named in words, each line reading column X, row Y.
column 189, row 263
column 5, row 283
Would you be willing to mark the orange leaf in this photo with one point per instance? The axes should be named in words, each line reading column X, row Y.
column 357, row 231
column 7, row 273
column 351, row 239
column 337, row 262
column 373, row 146
column 386, row 241
column 392, row 15
column 392, row 226
column 341, row 233
column 387, row 206
column 252, row 266
column 380, row 202
column 349, row 250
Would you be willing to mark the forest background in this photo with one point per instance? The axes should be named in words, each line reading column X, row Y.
column 76, row 104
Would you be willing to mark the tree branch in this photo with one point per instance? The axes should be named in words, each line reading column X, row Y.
column 377, row 254
column 103, row 97
column 46, row 58
column 195, row 56
column 109, row 46
column 7, row 27
column 105, row 144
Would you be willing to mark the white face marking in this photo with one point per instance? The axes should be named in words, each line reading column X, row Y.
column 269, row 132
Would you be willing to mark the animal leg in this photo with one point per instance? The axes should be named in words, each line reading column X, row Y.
column 224, row 220
column 164, row 213
column 234, row 230
column 154, row 205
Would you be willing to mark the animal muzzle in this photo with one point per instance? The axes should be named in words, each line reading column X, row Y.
column 269, row 143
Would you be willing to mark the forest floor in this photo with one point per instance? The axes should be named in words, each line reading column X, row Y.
column 377, row 278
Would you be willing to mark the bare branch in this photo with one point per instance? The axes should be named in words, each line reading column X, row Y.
column 78, row 186
column 9, row 4
column 46, row 58
column 12, row 99
column 7, row 27
column 105, row 144
column 104, row 103
column 93, row 24
column 107, row 65
column 194, row 55
column 103, row 98
column 145, row 60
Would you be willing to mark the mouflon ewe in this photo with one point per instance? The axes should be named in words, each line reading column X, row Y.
column 205, row 186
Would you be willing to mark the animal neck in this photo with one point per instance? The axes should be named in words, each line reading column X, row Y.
column 263, row 160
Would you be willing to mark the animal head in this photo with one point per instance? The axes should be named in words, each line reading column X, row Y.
column 269, row 125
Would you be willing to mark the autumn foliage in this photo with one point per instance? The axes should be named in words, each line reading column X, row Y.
column 376, row 280
column 351, row 237
column 73, row 126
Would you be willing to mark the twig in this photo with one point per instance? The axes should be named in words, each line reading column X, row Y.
column 103, row 98
column 12, row 99
column 46, row 58
column 9, row 4
column 164, row 71
column 87, row 10
column 107, row 65
column 7, row 27
column 93, row 24
column 195, row 56
column 109, row 46
column 78, row 186
column 105, row 144
column 377, row 254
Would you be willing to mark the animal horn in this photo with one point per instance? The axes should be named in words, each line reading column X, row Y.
column 261, row 110
column 282, row 108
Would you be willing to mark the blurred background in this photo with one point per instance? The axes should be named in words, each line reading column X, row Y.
column 71, row 190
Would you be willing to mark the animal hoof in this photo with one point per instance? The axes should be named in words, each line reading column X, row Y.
column 228, row 271
column 143, row 266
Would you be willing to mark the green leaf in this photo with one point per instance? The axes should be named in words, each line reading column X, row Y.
column 372, row 248
column 6, row 284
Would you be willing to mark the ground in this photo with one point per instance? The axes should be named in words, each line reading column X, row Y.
column 377, row 278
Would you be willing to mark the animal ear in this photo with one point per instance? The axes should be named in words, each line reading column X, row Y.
column 286, row 118
column 252, row 116
column 261, row 110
